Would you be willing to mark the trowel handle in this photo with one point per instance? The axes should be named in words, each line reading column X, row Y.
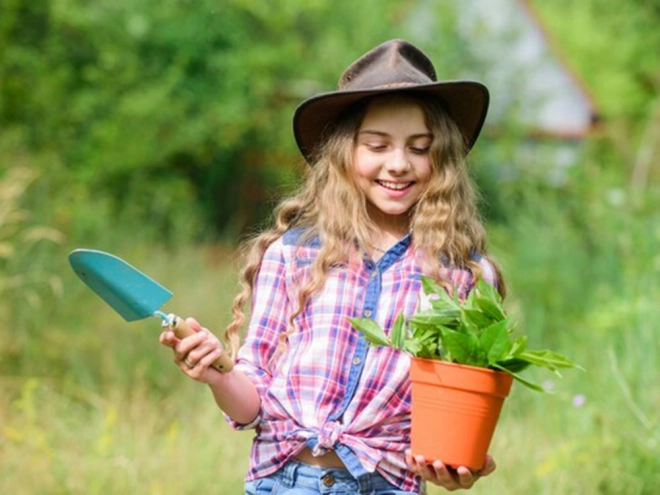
column 224, row 364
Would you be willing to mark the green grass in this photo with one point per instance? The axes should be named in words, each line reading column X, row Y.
column 118, row 442
column 94, row 404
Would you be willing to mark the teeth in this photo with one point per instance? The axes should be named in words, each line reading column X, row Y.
column 394, row 185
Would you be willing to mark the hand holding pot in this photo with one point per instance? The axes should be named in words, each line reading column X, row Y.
column 445, row 476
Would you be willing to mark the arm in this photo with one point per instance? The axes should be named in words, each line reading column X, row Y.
column 234, row 392
column 238, row 392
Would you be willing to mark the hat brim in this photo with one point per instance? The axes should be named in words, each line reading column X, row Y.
column 465, row 101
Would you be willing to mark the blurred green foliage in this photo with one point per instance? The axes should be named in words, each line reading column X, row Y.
column 162, row 111
column 610, row 44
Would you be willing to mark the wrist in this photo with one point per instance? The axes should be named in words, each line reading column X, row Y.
column 218, row 379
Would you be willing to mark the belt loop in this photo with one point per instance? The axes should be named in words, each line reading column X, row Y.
column 289, row 474
column 350, row 460
column 365, row 486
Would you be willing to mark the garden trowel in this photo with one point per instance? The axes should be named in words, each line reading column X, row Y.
column 131, row 293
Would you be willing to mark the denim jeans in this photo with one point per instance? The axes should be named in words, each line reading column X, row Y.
column 296, row 478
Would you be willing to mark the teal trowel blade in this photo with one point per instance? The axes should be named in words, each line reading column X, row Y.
column 125, row 288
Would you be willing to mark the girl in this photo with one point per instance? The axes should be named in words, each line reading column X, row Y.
column 387, row 199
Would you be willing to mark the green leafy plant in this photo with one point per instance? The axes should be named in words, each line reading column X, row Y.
column 475, row 332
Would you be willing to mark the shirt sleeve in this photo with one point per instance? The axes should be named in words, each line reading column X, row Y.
column 268, row 320
column 488, row 272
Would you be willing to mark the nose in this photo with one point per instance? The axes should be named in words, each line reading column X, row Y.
column 398, row 162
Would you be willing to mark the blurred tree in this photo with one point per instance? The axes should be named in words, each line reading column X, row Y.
column 174, row 107
column 176, row 115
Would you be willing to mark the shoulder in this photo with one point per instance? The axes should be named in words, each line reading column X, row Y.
column 488, row 271
column 301, row 236
column 292, row 246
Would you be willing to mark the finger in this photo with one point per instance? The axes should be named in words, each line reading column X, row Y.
column 167, row 338
column 445, row 475
column 196, row 339
column 436, row 472
column 197, row 369
column 419, row 465
column 489, row 466
column 200, row 351
column 465, row 477
column 410, row 461
column 208, row 359
column 184, row 346
column 194, row 324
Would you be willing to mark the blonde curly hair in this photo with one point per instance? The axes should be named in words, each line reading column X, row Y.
column 445, row 224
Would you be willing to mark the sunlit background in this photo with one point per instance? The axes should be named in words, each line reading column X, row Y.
column 161, row 131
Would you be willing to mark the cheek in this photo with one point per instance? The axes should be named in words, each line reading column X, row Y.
column 357, row 173
column 424, row 171
column 363, row 166
column 362, row 183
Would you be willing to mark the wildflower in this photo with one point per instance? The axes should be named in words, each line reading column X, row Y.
column 548, row 385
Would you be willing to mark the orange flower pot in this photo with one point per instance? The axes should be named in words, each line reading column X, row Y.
column 455, row 409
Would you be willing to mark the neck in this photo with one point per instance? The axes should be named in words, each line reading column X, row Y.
column 392, row 227
column 381, row 242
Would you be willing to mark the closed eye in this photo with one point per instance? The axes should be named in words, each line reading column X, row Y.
column 376, row 147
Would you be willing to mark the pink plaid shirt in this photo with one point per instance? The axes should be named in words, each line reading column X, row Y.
column 330, row 389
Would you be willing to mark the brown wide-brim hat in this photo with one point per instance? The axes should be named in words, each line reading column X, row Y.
column 394, row 66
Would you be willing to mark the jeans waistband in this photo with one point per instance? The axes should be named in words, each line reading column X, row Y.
column 330, row 480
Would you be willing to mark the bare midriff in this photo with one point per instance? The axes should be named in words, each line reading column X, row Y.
column 329, row 460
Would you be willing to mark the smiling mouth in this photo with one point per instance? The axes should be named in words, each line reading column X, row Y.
column 394, row 186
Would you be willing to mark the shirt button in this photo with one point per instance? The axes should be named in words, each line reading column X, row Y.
column 356, row 361
column 374, row 274
column 328, row 480
column 367, row 313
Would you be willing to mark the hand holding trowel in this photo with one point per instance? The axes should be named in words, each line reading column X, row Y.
column 131, row 293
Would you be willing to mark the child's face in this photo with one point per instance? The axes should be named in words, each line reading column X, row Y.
column 391, row 160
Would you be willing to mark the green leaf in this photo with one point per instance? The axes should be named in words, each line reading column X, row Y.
column 476, row 332
column 477, row 318
column 519, row 345
column 398, row 333
column 372, row 332
column 520, row 379
column 435, row 317
column 430, row 286
column 485, row 290
column 443, row 300
column 547, row 359
column 460, row 347
column 495, row 341
column 490, row 308
column 424, row 343
column 512, row 364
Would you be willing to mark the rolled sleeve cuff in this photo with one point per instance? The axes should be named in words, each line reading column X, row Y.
column 261, row 381
column 239, row 426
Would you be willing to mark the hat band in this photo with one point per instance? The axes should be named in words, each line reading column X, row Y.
column 388, row 86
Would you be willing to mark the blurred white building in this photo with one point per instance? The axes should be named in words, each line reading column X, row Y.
column 530, row 82
column 523, row 69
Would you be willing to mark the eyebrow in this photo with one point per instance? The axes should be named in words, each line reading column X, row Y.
column 385, row 134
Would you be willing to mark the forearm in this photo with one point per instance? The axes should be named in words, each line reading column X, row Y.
column 236, row 395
